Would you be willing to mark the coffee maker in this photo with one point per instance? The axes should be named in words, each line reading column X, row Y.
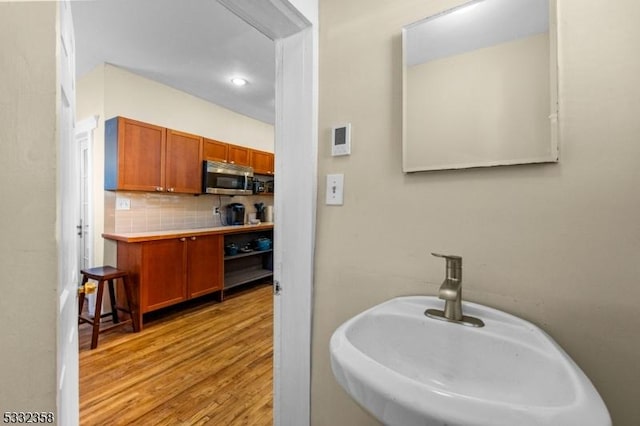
column 235, row 214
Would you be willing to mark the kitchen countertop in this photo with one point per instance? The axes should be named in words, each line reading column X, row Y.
column 138, row 237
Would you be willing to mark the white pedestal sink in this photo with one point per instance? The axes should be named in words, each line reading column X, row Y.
column 407, row 369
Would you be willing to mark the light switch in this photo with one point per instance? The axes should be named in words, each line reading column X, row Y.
column 123, row 203
column 335, row 189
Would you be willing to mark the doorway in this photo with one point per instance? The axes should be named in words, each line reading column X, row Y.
column 296, row 146
column 84, row 144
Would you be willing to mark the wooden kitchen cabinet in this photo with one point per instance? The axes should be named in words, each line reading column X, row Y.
column 183, row 165
column 144, row 157
column 163, row 274
column 204, row 268
column 262, row 162
column 134, row 155
column 213, row 150
column 168, row 271
column 239, row 155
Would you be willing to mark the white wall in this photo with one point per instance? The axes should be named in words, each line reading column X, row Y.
column 28, row 249
column 132, row 96
column 89, row 103
column 557, row 244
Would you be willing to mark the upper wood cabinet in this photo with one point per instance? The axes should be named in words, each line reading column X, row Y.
column 144, row 157
column 183, row 171
column 239, row 155
column 213, row 150
column 134, row 155
column 262, row 162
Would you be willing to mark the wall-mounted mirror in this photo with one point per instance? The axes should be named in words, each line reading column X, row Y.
column 479, row 86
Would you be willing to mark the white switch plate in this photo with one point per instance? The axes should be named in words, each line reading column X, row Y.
column 123, row 203
column 335, row 189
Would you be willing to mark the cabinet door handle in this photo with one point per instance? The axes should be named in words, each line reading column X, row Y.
column 170, row 189
column 159, row 188
column 183, row 239
column 193, row 238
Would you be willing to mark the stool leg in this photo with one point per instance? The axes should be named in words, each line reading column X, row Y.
column 81, row 297
column 80, row 305
column 112, row 296
column 98, row 316
column 133, row 309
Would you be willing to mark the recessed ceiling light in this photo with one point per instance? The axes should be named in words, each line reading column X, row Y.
column 239, row 81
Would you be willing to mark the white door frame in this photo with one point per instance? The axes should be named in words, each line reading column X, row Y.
column 295, row 224
column 296, row 147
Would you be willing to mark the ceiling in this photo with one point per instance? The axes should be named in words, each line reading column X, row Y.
column 195, row 46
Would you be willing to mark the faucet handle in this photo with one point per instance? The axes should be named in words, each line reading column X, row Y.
column 454, row 264
column 448, row 256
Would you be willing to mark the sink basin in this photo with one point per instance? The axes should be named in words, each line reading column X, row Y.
column 408, row 369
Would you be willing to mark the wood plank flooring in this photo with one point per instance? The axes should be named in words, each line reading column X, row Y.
column 207, row 363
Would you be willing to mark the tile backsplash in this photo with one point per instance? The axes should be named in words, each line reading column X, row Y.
column 163, row 212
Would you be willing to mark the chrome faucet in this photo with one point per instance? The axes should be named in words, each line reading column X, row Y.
column 451, row 292
column 451, row 288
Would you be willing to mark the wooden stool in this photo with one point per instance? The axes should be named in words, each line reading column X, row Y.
column 108, row 274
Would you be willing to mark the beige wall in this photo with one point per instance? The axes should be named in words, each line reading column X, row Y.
column 109, row 91
column 556, row 244
column 28, row 250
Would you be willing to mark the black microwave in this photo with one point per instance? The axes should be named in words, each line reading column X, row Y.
column 226, row 179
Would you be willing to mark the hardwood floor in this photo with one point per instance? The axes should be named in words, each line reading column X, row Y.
column 207, row 363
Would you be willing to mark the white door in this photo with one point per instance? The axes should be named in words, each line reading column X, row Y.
column 68, row 220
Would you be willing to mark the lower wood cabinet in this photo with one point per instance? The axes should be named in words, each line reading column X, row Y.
column 163, row 274
column 204, row 265
column 166, row 272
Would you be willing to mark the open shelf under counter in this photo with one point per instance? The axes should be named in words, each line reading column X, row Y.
column 251, row 253
column 243, row 268
column 247, row 275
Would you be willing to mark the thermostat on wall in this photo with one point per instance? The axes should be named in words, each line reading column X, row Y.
column 341, row 140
